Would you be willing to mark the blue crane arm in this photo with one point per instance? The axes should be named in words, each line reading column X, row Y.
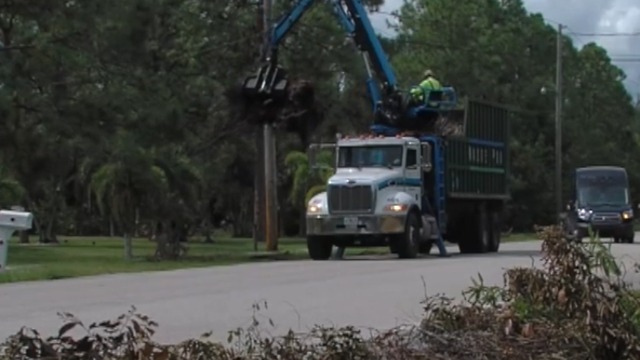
column 357, row 23
column 389, row 104
column 288, row 21
column 391, row 107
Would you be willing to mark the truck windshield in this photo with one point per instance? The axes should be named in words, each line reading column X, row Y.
column 603, row 188
column 370, row 156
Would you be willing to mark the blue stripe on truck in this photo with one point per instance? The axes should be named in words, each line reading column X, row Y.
column 400, row 182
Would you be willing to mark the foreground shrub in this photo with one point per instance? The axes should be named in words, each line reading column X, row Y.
column 575, row 307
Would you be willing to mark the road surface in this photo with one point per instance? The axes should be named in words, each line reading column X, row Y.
column 379, row 292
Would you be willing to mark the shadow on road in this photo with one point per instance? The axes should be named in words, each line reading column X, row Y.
column 452, row 255
column 504, row 253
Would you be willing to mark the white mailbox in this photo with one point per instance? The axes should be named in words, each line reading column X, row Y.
column 10, row 221
column 16, row 220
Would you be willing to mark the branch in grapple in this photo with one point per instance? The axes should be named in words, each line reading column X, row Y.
column 291, row 106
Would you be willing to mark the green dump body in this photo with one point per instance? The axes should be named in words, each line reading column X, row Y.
column 477, row 162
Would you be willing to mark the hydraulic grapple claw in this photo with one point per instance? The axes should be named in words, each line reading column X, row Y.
column 268, row 83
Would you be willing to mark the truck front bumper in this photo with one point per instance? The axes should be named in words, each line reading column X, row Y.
column 355, row 224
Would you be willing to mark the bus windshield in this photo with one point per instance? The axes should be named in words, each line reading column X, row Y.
column 602, row 188
column 603, row 195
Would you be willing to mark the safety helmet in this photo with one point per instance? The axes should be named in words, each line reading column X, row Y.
column 428, row 73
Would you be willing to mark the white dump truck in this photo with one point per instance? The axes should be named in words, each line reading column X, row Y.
column 410, row 192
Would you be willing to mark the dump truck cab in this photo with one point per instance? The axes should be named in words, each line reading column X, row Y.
column 601, row 201
column 375, row 191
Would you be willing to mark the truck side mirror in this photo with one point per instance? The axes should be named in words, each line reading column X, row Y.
column 425, row 157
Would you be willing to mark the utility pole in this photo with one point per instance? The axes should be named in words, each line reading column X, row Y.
column 266, row 211
column 558, row 156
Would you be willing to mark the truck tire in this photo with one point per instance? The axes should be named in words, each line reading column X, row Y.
column 495, row 232
column 409, row 241
column 466, row 239
column 477, row 237
column 483, row 227
column 319, row 247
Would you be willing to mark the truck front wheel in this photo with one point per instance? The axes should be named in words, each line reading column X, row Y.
column 409, row 241
column 319, row 247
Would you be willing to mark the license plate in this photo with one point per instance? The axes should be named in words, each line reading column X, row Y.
column 351, row 221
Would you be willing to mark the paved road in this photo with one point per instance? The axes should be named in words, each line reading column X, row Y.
column 376, row 293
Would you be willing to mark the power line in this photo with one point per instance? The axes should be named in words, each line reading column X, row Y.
column 615, row 34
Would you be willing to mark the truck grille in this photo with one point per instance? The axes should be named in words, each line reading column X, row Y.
column 346, row 199
column 601, row 218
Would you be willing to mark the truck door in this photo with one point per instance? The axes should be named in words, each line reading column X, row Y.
column 412, row 171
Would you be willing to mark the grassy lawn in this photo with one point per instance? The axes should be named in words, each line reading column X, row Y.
column 517, row 237
column 76, row 256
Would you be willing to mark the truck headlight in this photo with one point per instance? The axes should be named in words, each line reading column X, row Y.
column 397, row 208
column 584, row 214
column 627, row 214
column 315, row 207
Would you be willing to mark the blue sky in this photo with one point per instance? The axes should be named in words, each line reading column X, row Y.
column 581, row 17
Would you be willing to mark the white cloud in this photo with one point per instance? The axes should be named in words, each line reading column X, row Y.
column 580, row 16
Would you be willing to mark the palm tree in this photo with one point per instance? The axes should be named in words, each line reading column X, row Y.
column 11, row 191
column 126, row 180
column 308, row 179
column 180, row 207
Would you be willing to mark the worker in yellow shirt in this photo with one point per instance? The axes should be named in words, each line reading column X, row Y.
column 429, row 82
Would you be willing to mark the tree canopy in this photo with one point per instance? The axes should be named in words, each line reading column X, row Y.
column 115, row 113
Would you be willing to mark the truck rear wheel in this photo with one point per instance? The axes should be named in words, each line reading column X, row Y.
column 495, row 232
column 483, row 227
column 409, row 241
column 319, row 247
column 477, row 237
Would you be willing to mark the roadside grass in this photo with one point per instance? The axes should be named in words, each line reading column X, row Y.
column 519, row 237
column 86, row 256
